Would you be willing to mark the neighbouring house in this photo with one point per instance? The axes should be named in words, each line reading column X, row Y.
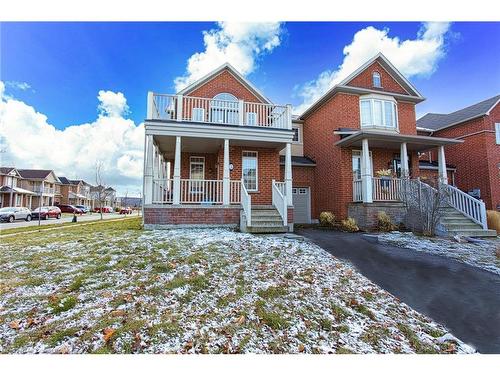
column 219, row 152
column 43, row 183
column 75, row 192
column 103, row 196
column 12, row 194
column 133, row 202
column 477, row 159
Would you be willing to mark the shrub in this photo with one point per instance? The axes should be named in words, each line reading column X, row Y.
column 493, row 218
column 384, row 222
column 327, row 218
column 349, row 225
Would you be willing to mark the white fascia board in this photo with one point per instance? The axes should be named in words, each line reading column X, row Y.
column 246, row 133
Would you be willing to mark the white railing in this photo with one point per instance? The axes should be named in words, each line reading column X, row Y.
column 281, row 187
column 246, row 203
column 162, row 191
column 201, row 191
column 279, row 201
column 215, row 111
column 471, row 207
column 234, row 192
column 357, row 193
column 386, row 189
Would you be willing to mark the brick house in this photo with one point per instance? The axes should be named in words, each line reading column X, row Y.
column 220, row 153
column 43, row 182
column 75, row 192
column 12, row 193
column 479, row 127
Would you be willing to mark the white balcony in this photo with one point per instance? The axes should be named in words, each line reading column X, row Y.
column 191, row 109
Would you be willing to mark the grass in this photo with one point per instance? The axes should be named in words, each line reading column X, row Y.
column 60, row 304
column 411, row 336
column 270, row 318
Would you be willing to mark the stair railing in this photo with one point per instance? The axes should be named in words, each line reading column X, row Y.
column 469, row 206
column 246, row 203
column 280, row 203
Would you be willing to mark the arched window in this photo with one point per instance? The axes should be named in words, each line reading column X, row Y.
column 376, row 79
column 224, row 108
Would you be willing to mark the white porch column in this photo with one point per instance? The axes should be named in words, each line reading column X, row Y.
column 31, row 201
column 288, row 174
column 443, row 175
column 225, row 177
column 366, row 173
column 405, row 170
column 148, row 170
column 177, row 172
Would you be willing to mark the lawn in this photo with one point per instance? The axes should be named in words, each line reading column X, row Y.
column 114, row 288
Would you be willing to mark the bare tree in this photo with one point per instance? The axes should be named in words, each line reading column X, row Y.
column 101, row 193
column 424, row 204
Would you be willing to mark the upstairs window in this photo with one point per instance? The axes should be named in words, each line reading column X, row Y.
column 376, row 79
column 296, row 135
column 497, row 132
column 224, row 108
column 378, row 113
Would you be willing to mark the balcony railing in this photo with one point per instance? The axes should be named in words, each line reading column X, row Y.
column 214, row 111
column 383, row 190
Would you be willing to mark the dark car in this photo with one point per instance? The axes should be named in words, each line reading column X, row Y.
column 68, row 208
column 46, row 212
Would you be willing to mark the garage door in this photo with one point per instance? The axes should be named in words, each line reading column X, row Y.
column 301, row 205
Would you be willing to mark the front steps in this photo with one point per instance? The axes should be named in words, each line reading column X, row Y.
column 265, row 219
column 455, row 223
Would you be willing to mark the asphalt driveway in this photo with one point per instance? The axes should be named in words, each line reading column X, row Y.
column 465, row 299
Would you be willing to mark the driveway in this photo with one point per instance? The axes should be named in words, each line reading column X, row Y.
column 63, row 219
column 465, row 299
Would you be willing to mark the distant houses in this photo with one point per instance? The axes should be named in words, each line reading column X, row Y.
column 42, row 187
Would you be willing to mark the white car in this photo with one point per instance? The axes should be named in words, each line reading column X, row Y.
column 15, row 213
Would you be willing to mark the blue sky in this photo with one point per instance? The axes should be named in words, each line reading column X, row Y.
column 66, row 64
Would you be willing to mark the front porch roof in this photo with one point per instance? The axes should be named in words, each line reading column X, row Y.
column 17, row 190
column 383, row 139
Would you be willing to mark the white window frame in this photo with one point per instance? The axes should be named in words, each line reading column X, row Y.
column 372, row 99
column 357, row 154
column 198, row 114
column 251, row 119
column 497, row 132
column 376, row 74
column 196, row 187
column 224, row 108
column 299, row 139
column 256, row 168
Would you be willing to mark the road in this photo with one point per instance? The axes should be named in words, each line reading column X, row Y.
column 463, row 298
column 64, row 219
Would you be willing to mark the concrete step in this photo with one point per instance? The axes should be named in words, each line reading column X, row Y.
column 462, row 226
column 473, row 232
column 267, row 229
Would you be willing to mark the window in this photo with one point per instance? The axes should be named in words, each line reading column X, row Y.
column 251, row 118
column 224, row 108
column 249, row 170
column 376, row 79
column 296, row 135
column 377, row 112
column 356, row 164
column 497, row 132
column 196, row 172
column 198, row 114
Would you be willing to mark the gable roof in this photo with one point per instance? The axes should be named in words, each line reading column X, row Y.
column 36, row 174
column 438, row 121
column 193, row 86
column 64, row 180
column 414, row 95
column 8, row 170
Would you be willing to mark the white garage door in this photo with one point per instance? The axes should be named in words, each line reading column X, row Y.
column 301, row 205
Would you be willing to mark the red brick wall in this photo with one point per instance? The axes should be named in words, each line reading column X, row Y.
column 388, row 83
column 224, row 82
column 191, row 215
column 210, row 165
column 476, row 159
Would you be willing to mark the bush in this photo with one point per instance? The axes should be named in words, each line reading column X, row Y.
column 384, row 222
column 349, row 225
column 493, row 218
column 327, row 218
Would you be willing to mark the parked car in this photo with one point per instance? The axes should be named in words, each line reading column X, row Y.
column 105, row 209
column 125, row 210
column 15, row 213
column 69, row 208
column 46, row 212
column 85, row 209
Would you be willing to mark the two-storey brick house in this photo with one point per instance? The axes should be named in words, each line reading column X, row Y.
column 479, row 127
column 12, row 193
column 75, row 192
column 220, row 153
column 43, row 182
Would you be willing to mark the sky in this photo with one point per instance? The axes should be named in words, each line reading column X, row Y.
column 73, row 94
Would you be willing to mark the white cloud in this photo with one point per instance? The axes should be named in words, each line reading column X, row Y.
column 23, row 86
column 240, row 44
column 412, row 57
column 30, row 141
